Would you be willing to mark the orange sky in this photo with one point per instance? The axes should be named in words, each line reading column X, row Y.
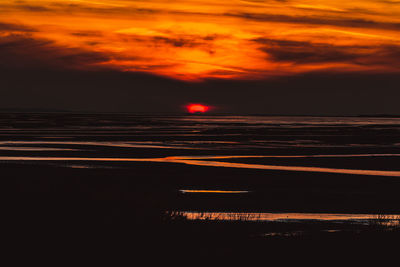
column 200, row 39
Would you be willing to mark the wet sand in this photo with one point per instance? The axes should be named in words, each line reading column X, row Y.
column 305, row 164
column 122, row 173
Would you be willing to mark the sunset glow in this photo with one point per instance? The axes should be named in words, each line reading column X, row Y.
column 199, row 39
column 197, row 108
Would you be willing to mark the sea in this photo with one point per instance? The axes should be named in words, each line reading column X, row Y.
column 222, row 167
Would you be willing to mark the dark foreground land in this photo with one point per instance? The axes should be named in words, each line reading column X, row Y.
column 131, row 210
column 70, row 212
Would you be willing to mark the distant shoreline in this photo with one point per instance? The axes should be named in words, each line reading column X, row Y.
column 33, row 111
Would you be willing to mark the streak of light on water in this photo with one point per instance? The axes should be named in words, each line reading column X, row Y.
column 214, row 164
column 198, row 191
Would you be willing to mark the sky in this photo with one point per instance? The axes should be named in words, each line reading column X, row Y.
column 240, row 56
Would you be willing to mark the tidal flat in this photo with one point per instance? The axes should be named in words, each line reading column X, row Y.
column 93, row 180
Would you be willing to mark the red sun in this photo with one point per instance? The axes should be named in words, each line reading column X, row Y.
column 197, row 108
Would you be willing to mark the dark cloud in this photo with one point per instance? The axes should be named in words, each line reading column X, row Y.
column 185, row 41
column 385, row 55
column 305, row 52
column 264, row 1
column 318, row 20
column 99, row 10
column 301, row 52
column 70, row 8
column 7, row 27
column 34, row 8
column 87, row 33
column 23, row 50
column 390, row 2
column 177, row 42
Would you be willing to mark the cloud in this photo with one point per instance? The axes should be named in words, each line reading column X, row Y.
column 318, row 20
column 188, row 41
column 77, row 7
column 196, row 40
column 24, row 51
column 34, row 8
column 87, row 33
column 10, row 27
column 176, row 42
column 88, row 7
column 385, row 55
column 303, row 52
